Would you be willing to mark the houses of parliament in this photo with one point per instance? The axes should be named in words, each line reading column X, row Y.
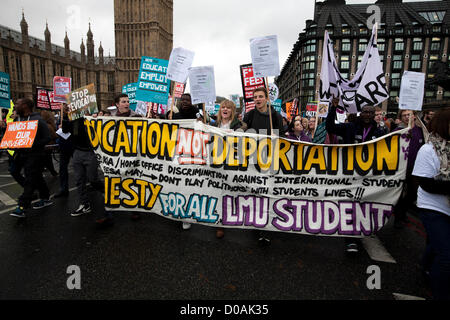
column 142, row 28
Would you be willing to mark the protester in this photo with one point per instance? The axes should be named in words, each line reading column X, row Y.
column 84, row 163
column 66, row 150
column 32, row 160
column 362, row 129
column 409, row 194
column 122, row 103
column 258, row 119
column 297, row 132
column 427, row 117
column 379, row 120
column 311, row 128
column 226, row 119
column 432, row 171
column 186, row 110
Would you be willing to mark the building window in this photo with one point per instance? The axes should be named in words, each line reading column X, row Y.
column 6, row 61
column 416, row 62
column 19, row 68
column 346, row 31
column 111, row 82
column 362, row 44
column 433, row 16
column 399, row 46
column 417, row 44
column 399, row 30
column 346, row 46
column 436, row 29
column 435, row 44
column 418, row 30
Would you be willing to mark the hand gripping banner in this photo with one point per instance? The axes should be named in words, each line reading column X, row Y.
column 187, row 171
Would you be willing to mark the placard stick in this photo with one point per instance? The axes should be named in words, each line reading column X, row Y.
column 317, row 120
column 204, row 113
column 173, row 99
column 270, row 107
column 61, row 116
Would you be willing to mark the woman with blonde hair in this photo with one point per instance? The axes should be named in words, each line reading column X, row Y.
column 226, row 119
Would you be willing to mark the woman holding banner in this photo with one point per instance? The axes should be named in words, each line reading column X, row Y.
column 226, row 119
column 432, row 171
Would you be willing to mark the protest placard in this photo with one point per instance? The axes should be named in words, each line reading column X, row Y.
column 411, row 90
column 5, row 90
column 235, row 98
column 264, row 52
column 178, row 90
column 42, row 101
column 196, row 173
column 130, row 90
column 322, row 109
column 53, row 104
column 82, row 101
column 61, row 87
column 179, row 63
column 19, row 135
column 311, row 109
column 273, row 92
column 202, row 84
column 153, row 84
column 250, row 83
column 277, row 105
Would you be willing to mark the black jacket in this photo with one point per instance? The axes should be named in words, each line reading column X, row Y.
column 261, row 121
column 351, row 132
column 79, row 136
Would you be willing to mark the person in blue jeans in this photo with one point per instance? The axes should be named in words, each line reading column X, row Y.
column 432, row 171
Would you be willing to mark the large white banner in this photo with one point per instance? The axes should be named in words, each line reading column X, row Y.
column 188, row 171
column 367, row 87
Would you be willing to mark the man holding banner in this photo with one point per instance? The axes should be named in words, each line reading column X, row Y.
column 363, row 129
column 31, row 158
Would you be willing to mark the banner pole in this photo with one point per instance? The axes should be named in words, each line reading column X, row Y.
column 204, row 113
column 171, row 104
column 270, row 107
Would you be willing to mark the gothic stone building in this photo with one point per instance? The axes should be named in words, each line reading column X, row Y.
column 142, row 28
column 411, row 36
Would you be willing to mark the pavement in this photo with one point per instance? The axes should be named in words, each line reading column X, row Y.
column 154, row 259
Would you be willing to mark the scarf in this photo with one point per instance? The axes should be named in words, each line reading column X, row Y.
column 442, row 148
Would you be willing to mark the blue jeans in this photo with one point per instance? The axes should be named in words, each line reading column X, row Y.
column 437, row 226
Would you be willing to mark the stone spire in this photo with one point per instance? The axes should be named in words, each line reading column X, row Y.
column 100, row 53
column 90, row 45
column 67, row 46
column 48, row 38
column 24, row 28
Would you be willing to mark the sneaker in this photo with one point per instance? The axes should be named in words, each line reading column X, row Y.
column 351, row 248
column 104, row 222
column 42, row 204
column 82, row 209
column 19, row 212
column 186, row 225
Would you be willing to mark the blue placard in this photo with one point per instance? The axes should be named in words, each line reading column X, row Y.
column 130, row 89
column 5, row 93
column 153, row 85
column 277, row 105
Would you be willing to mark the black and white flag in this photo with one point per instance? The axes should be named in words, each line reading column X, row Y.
column 368, row 86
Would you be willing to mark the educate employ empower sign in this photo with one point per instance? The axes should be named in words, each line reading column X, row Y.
column 187, row 171
column 153, row 84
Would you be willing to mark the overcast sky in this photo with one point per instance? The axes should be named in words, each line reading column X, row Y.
column 217, row 31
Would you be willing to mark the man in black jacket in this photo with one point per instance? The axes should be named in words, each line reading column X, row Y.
column 32, row 160
column 84, row 163
column 363, row 129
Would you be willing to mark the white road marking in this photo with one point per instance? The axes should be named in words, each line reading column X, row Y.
column 51, row 197
column 400, row 296
column 376, row 250
column 6, row 199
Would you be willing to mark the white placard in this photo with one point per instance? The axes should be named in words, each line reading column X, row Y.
column 264, row 51
column 412, row 90
column 273, row 92
column 179, row 63
column 202, row 84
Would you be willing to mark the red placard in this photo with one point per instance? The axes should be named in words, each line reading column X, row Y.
column 53, row 104
column 178, row 90
column 250, row 83
column 61, row 87
column 42, row 99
